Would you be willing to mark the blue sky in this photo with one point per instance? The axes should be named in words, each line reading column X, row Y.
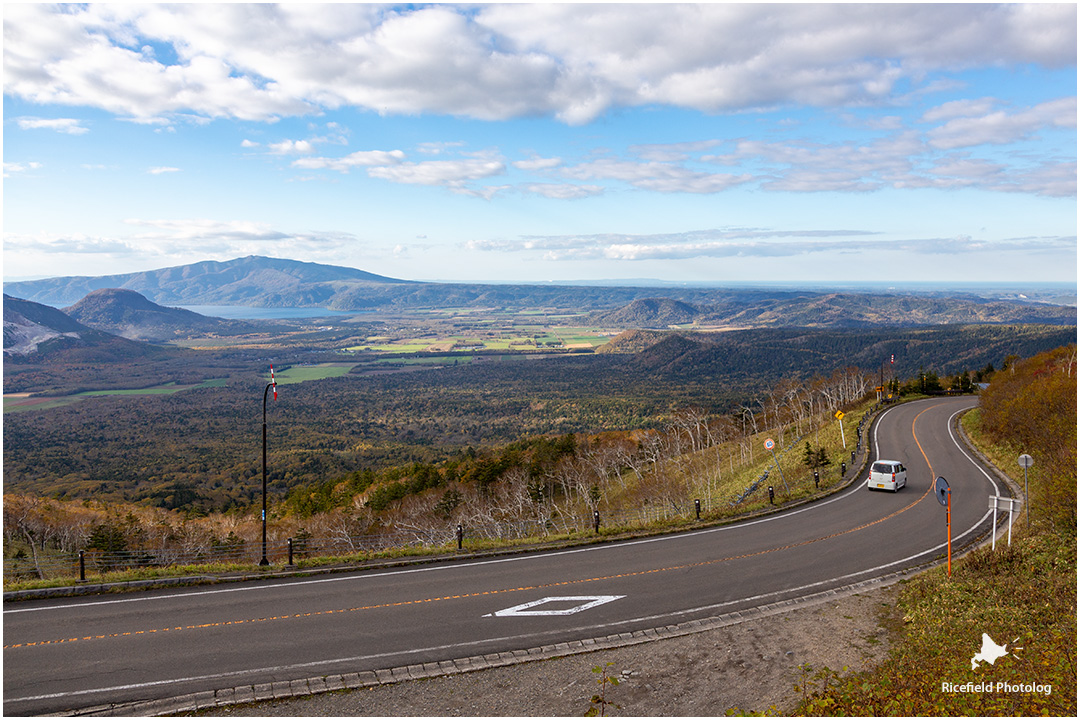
column 701, row 143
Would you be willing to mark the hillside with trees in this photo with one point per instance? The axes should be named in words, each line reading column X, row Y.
column 1031, row 407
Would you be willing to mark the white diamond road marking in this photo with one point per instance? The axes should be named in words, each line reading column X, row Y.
column 586, row 602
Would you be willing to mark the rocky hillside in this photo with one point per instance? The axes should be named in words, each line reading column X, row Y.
column 35, row 332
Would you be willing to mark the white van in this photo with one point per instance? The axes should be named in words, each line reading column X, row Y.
column 887, row 475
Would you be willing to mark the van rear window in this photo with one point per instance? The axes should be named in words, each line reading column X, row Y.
column 883, row 467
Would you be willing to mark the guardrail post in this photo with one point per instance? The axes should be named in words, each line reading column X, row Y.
column 460, row 536
column 852, row 458
column 82, row 566
column 290, row 551
column 843, row 470
column 596, row 521
column 697, row 508
column 771, row 495
column 815, row 479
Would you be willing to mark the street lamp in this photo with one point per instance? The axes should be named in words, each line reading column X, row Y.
column 271, row 384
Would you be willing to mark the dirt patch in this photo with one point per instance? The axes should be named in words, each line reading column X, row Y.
column 751, row 666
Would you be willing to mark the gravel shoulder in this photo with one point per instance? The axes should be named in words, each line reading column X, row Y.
column 751, row 666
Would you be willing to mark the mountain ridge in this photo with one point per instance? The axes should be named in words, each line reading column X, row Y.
column 261, row 282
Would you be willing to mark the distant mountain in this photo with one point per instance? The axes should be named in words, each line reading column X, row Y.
column 35, row 332
column 252, row 281
column 128, row 314
column 275, row 283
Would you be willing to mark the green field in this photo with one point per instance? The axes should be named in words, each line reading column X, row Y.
column 303, row 373
column 516, row 337
column 21, row 403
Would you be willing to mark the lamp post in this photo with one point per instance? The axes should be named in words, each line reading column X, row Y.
column 271, row 384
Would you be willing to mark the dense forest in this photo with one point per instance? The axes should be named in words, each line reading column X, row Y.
column 200, row 449
column 537, row 483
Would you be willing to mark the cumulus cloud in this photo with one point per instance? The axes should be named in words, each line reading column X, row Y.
column 984, row 126
column 291, row 147
column 499, row 61
column 162, row 170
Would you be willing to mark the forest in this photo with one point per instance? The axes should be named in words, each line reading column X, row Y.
column 510, row 450
column 200, row 449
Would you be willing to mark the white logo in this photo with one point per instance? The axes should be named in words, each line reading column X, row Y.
column 990, row 652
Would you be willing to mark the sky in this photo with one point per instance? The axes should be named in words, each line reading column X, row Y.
column 700, row 143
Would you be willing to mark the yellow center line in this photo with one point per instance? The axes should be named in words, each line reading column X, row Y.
column 403, row 603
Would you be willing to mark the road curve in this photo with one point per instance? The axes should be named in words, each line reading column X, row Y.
column 62, row 655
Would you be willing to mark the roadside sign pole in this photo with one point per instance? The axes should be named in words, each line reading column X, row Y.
column 944, row 496
column 948, row 527
column 1026, row 461
column 840, row 418
column 769, row 445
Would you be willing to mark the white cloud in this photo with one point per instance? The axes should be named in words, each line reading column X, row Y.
column 452, row 173
column 537, row 163
column 362, row 158
column 755, row 242
column 998, row 127
column 162, row 170
column 499, row 61
column 560, row 191
column 16, row 168
column 228, row 239
column 291, row 147
column 68, row 126
column 656, row 176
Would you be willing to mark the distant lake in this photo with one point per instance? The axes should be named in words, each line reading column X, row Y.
column 239, row 312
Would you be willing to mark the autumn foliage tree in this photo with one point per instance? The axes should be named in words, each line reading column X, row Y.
column 1031, row 405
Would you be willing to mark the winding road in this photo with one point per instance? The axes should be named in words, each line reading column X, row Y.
column 62, row 655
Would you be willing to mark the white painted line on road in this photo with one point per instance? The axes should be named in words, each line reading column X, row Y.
column 585, row 602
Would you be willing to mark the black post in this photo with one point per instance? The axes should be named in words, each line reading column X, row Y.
column 290, row 551
column 697, row 508
column 596, row 521
column 82, row 566
column 770, row 495
column 852, row 458
column 269, row 385
column 843, row 470
column 815, row 479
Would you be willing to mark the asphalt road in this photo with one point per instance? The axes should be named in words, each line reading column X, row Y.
column 61, row 655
